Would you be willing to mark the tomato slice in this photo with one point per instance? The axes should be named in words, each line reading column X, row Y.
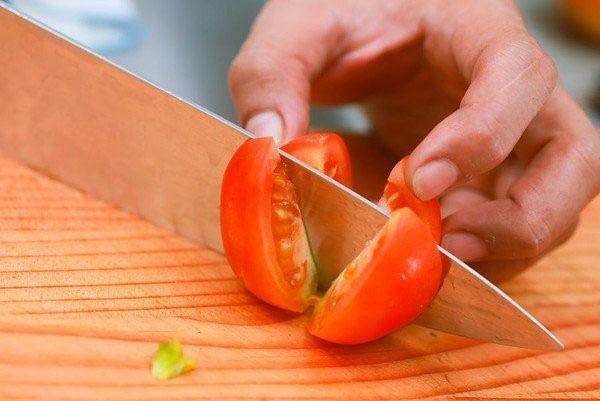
column 387, row 286
column 263, row 234
column 324, row 151
column 397, row 194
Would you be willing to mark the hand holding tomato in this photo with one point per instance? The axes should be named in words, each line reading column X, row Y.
column 460, row 85
column 387, row 286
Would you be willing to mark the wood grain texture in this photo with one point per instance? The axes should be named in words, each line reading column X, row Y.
column 87, row 291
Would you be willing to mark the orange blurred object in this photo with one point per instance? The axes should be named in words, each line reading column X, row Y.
column 584, row 17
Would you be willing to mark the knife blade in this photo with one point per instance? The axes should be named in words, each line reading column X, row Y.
column 77, row 117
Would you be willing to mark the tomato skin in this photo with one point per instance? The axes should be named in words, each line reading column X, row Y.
column 392, row 282
column 325, row 151
column 246, row 205
column 397, row 194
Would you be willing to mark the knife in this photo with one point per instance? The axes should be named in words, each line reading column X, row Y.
column 77, row 117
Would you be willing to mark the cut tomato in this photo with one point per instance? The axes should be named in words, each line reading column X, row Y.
column 324, row 151
column 397, row 195
column 263, row 233
column 387, row 286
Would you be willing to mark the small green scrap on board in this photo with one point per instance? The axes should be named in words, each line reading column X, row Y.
column 169, row 361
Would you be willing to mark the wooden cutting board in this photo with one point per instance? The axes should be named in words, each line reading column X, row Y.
column 87, row 292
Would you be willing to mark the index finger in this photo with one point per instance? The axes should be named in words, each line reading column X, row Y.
column 509, row 80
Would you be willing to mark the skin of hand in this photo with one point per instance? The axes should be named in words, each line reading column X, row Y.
column 460, row 84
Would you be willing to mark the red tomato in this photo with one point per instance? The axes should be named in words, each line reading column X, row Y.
column 262, row 230
column 397, row 194
column 324, row 151
column 387, row 286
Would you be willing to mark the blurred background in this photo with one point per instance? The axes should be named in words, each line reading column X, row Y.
column 185, row 46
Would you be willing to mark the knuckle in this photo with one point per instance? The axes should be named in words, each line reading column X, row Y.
column 265, row 69
column 583, row 159
column 531, row 60
column 488, row 143
column 252, row 65
column 235, row 73
column 536, row 236
column 535, row 58
column 249, row 66
column 544, row 66
column 235, row 69
column 586, row 155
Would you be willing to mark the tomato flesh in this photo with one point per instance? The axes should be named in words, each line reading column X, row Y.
column 288, row 230
column 388, row 285
column 263, row 235
column 324, row 151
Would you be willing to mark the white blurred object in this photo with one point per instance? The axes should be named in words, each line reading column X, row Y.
column 105, row 26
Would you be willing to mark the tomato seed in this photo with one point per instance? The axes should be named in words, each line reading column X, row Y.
column 285, row 245
column 282, row 214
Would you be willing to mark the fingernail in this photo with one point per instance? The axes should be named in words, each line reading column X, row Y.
column 465, row 246
column 268, row 123
column 434, row 178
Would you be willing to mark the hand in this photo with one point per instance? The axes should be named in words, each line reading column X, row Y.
column 460, row 84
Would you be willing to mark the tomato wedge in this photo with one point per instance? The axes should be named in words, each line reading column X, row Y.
column 325, row 151
column 263, row 233
column 397, row 194
column 387, row 286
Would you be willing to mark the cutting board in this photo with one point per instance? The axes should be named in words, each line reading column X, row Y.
column 88, row 291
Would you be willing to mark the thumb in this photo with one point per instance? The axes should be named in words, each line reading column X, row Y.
column 270, row 78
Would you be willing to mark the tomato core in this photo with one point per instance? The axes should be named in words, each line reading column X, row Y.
column 288, row 229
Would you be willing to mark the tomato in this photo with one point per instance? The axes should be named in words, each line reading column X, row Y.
column 262, row 230
column 387, row 286
column 324, row 151
column 397, row 194
column 327, row 153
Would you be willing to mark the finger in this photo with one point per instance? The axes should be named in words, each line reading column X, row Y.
column 506, row 175
column 510, row 79
column 461, row 198
column 270, row 78
column 501, row 270
column 483, row 188
column 543, row 203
